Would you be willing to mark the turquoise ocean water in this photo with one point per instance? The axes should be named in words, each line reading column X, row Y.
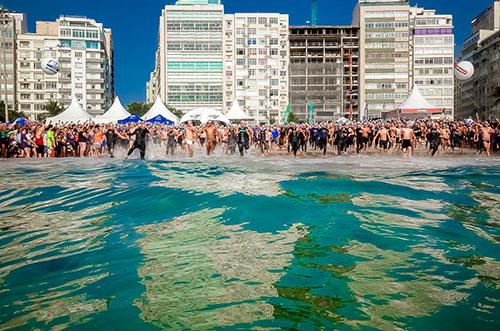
column 351, row 243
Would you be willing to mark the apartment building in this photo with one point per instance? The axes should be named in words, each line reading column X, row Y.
column 433, row 47
column 478, row 96
column 385, row 59
column 84, row 50
column 189, row 61
column 256, row 62
column 12, row 25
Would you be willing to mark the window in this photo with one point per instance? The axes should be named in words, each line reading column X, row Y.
column 274, row 51
column 65, row 43
column 274, row 82
column 262, row 20
column 78, row 33
column 51, row 85
column 25, row 86
column 273, row 92
column 262, row 51
column 240, row 51
column 240, row 82
column 92, row 44
column 240, row 62
column 65, row 32
column 252, row 62
column 263, row 62
column 273, row 41
column 25, row 96
column 38, row 96
column 252, row 31
column 240, row 41
column 38, row 86
column 251, row 72
column 92, row 34
column 252, row 20
column 273, row 20
column 252, row 41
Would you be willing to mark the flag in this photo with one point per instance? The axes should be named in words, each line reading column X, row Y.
column 310, row 115
column 287, row 113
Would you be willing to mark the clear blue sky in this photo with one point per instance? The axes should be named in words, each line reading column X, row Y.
column 135, row 25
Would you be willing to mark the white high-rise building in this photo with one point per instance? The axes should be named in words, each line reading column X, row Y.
column 84, row 50
column 399, row 46
column 384, row 53
column 433, row 48
column 12, row 25
column 256, row 61
column 189, row 63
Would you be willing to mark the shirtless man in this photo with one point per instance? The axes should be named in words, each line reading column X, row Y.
column 407, row 136
column 365, row 133
column 211, row 134
column 190, row 135
column 445, row 137
column 383, row 135
column 486, row 133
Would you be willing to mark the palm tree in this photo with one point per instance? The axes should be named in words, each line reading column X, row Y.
column 53, row 108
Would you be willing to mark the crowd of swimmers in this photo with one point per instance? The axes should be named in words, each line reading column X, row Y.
column 383, row 137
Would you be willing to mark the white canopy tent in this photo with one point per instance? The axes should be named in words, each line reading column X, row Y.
column 236, row 114
column 73, row 114
column 417, row 104
column 159, row 108
column 205, row 115
column 114, row 114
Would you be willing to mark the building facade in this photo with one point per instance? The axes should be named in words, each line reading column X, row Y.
column 324, row 72
column 384, row 54
column 11, row 26
column 432, row 50
column 84, row 50
column 478, row 96
column 401, row 46
column 256, row 62
column 189, row 61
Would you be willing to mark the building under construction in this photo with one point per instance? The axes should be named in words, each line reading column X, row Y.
column 324, row 72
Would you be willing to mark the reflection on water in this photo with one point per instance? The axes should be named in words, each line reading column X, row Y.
column 36, row 239
column 343, row 243
column 199, row 273
column 220, row 180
